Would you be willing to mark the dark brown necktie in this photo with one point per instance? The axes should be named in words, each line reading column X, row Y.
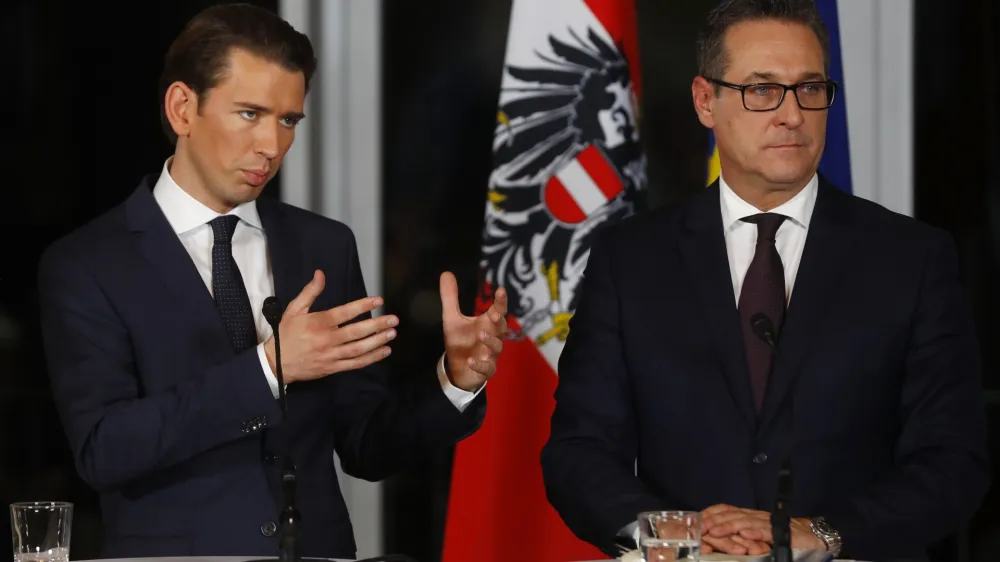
column 763, row 291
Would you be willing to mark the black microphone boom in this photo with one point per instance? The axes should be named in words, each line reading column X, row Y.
column 272, row 313
column 288, row 544
column 288, row 549
column 781, row 530
column 781, row 525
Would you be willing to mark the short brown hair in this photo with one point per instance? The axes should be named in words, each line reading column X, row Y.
column 199, row 56
column 712, row 56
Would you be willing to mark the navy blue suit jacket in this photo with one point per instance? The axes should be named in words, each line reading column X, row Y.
column 875, row 395
column 176, row 430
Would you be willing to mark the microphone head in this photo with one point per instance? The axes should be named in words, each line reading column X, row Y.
column 761, row 325
column 272, row 311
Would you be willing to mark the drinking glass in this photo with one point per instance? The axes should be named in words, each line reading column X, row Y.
column 670, row 536
column 41, row 531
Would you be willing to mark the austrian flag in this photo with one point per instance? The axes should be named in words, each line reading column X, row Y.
column 566, row 161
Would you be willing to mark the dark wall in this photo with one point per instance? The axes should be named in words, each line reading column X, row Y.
column 957, row 187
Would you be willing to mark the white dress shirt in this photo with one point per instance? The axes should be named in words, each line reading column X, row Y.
column 741, row 237
column 189, row 218
column 741, row 243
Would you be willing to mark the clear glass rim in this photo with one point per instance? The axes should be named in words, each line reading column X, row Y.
column 670, row 513
column 42, row 505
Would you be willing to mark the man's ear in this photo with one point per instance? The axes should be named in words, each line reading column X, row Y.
column 181, row 105
column 703, row 97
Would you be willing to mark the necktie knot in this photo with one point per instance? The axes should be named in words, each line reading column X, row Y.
column 767, row 224
column 223, row 228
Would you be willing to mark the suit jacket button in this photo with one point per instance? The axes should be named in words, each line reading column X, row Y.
column 268, row 529
column 760, row 458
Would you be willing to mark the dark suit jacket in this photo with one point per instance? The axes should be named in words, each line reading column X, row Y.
column 177, row 431
column 875, row 395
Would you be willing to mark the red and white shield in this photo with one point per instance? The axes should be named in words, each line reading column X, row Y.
column 581, row 187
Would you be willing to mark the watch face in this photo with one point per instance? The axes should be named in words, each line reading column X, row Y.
column 822, row 526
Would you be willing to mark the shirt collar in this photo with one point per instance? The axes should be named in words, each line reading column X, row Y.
column 186, row 213
column 799, row 208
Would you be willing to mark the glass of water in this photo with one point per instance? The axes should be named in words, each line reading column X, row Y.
column 41, row 531
column 670, row 536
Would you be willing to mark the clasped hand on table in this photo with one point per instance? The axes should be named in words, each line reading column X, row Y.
column 736, row 530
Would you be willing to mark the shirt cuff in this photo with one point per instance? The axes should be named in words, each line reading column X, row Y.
column 460, row 398
column 630, row 531
column 272, row 380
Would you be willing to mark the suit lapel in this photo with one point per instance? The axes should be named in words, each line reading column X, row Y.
column 285, row 249
column 703, row 246
column 824, row 261
column 163, row 250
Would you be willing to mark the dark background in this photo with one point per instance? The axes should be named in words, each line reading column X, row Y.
column 81, row 94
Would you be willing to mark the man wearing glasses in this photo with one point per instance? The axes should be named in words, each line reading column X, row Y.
column 772, row 322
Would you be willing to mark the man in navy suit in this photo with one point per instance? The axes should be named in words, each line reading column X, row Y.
column 771, row 319
column 162, row 364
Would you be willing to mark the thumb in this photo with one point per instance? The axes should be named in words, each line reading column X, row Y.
column 301, row 303
column 449, row 295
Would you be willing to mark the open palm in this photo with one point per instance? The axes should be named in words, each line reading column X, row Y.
column 472, row 344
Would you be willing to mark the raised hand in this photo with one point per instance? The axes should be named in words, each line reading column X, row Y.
column 317, row 344
column 472, row 344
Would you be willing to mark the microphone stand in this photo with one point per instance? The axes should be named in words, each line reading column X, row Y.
column 288, row 529
column 288, row 534
column 780, row 521
column 781, row 530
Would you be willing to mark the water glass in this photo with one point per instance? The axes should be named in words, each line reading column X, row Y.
column 41, row 531
column 670, row 536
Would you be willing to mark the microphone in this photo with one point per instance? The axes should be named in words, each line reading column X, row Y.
column 288, row 548
column 781, row 530
column 272, row 313
column 763, row 328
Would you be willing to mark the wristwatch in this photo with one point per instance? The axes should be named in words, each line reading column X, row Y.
column 826, row 533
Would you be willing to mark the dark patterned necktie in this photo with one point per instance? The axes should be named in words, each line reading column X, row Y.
column 763, row 291
column 227, row 285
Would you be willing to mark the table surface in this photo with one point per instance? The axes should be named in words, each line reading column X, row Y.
column 238, row 559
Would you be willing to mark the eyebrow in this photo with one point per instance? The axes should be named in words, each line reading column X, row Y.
column 770, row 76
column 298, row 116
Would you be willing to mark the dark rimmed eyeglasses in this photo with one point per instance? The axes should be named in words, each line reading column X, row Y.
column 767, row 96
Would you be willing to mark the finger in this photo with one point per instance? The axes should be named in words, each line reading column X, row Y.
column 482, row 366
column 734, row 526
column 725, row 545
column 729, row 513
column 498, row 320
column 718, row 508
column 713, row 521
column 757, row 534
column 706, row 548
column 361, row 361
column 307, row 296
column 754, row 548
column 500, row 301
column 357, row 348
column 449, row 295
column 365, row 328
column 346, row 312
column 492, row 343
